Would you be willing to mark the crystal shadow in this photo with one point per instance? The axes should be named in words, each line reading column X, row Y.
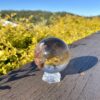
column 79, row 64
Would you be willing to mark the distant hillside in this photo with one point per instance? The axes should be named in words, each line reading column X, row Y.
column 26, row 13
column 37, row 15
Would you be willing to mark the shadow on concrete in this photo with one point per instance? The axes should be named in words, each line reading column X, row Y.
column 79, row 64
column 76, row 65
column 5, row 87
column 76, row 44
column 27, row 70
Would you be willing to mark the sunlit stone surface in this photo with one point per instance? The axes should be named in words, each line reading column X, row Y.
column 52, row 56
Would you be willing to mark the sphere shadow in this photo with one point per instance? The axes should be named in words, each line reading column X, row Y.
column 79, row 64
column 76, row 65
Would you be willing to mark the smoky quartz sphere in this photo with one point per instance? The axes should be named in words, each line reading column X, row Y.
column 52, row 55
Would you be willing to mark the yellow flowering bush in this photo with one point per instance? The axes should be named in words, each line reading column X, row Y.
column 17, row 43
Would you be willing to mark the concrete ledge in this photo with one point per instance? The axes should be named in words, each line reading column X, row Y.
column 80, row 80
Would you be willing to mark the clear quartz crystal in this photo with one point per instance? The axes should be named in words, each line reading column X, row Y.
column 52, row 56
column 51, row 77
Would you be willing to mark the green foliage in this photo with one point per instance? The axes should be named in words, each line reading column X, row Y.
column 17, row 44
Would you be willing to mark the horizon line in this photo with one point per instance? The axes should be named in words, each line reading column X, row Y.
column 49, row 11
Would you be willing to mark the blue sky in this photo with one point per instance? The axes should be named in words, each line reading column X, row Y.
column 80, row 7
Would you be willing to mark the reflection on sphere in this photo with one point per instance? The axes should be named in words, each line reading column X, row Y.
column 52, row 55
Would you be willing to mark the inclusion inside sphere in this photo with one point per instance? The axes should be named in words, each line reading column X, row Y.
column 52, row 55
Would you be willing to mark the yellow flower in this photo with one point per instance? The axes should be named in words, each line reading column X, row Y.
column 1, row 52
column 4, row 70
